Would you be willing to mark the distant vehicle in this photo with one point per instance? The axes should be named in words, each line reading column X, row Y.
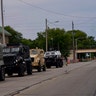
column 2, row 66
column 53, row 58
column 38, row 61
column 17, row 59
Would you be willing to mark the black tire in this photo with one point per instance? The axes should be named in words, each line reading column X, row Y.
column 61, row 64
column 20, row 73
column 2, row 74
column 9, row 74
column 39, row 67
column 57, row 64
column 29, row 68
column 21, row 70
column 44, row 67
column 48, row 65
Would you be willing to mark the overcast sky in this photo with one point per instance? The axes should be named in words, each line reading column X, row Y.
column 28, row 16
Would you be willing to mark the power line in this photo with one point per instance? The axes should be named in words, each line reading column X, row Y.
column 53, row 12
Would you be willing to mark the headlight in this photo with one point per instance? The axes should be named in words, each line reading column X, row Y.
column 19, row 59
column 16, row 60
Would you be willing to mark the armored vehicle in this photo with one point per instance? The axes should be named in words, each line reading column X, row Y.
column 53, row 58
column 38, row 61
column 2, row 66
column 17, row 59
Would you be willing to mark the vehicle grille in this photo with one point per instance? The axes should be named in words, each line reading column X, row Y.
column 9, row 60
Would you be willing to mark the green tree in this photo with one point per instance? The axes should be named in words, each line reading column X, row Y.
column 83, row 40
column 27, row 42
column 57, row 40
column 79, row 35
column 16, row 36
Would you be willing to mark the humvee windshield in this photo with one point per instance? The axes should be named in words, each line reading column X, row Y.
column 11, row 50
column 34, row 52
column 53, row 53
column 47, row 53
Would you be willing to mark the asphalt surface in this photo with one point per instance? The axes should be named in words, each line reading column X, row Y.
column 14, row 86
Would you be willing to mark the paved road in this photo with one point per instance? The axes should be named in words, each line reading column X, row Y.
column 54, row 82
column 79, row 82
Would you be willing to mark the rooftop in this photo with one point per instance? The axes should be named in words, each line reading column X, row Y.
column 6, row 32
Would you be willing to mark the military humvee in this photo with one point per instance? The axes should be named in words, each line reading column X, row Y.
column 53, row 58
column 17, row 59
column 2, row 66
column 38, row 61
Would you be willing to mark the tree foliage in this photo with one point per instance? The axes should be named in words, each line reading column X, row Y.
column 16, row 36
column 58, row 39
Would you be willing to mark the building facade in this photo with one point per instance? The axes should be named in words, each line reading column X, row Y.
column 7, row 35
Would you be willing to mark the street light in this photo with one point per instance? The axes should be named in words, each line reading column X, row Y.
column 46, row 30
column 3, row 35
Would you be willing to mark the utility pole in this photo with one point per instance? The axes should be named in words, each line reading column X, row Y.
column 76, row 49
column 46, row 35
column 46, row 30
column 73, row 41
column 3, row 34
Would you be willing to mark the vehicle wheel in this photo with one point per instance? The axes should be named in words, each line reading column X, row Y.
column 61, row 63
column 48, row 65
column 9, row 73
column 44, row 67
column 57, row 65
column 29, row 68
column 21, row 71
column 2, row 74
column 39, row 67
